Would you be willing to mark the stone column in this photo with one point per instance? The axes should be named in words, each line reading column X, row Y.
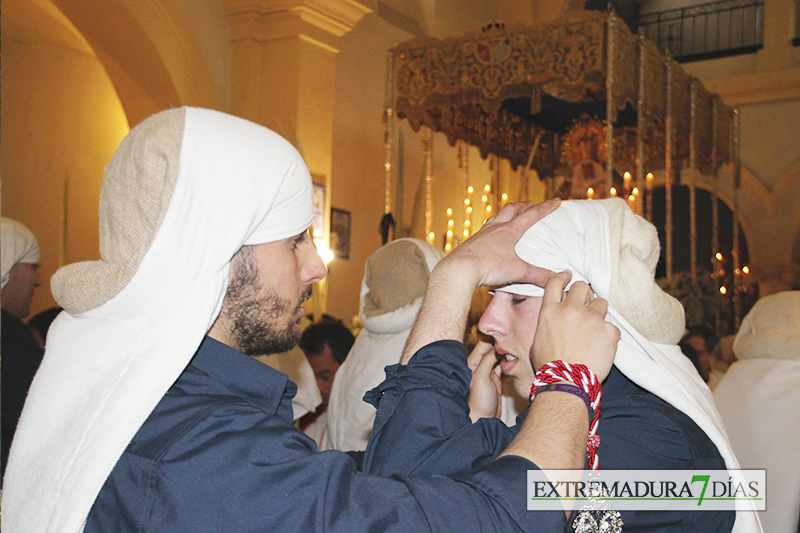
column 283, row 72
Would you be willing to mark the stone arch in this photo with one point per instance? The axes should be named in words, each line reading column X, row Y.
column 149, row 52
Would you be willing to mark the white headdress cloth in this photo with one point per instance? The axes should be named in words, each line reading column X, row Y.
column 578, row 236
column 18, row 246
column 379, row 343
column 106, row 369
column 758, row 397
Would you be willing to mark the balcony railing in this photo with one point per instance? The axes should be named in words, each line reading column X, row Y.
column 707, row 31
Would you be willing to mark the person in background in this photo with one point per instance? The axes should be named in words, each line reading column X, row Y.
column 294, row 364
column 395, row 278
column 696, row 345
column 325, row 345
column 720, row 359
column 21, row 354
column 758, row 398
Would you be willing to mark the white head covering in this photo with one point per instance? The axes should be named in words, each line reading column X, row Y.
column 603, row 243
column 182, row 194
column 395, row 278
column 771, row 330
column 759, row 400
column 18, row 245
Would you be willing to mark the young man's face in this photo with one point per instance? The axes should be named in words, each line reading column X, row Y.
column 18, row 292
column 511, row 319
column 269, row 282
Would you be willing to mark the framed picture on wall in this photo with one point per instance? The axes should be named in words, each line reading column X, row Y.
column 319, row 212
column 340, row 233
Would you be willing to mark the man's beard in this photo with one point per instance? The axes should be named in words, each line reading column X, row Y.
column 253, row 312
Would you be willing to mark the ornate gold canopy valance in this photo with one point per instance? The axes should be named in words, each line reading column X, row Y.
column 499, row 89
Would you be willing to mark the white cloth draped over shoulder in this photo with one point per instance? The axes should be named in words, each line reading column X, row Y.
column 605, row 244
column 184, row 191
column 759, row 400
column 395, row 278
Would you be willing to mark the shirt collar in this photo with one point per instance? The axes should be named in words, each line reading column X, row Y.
column 242, row 375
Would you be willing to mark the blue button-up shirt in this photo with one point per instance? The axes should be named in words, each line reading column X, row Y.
column 637, row 430
column 220, row 453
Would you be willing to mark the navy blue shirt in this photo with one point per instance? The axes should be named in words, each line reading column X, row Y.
column 22, row 356
column 220, row 453
column 637, row 430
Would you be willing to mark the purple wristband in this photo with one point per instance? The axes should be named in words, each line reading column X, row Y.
column 572, row 389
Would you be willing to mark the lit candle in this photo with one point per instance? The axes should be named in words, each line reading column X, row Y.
column 626, row 178
column 613, row 191
column 431, row 236
column 590, row 193
column 632, row 202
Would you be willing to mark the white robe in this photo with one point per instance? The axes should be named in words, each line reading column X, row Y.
column 758, row 398
column 378, row 345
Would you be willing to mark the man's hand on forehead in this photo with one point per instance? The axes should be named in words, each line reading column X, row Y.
column 489, row 257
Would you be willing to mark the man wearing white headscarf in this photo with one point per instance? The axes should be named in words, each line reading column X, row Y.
column 759, row 400
column 148, row 415
column 395, row 277
column 656, row 411
column 21, row 353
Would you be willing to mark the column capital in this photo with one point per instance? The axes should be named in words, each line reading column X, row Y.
column 324, row 21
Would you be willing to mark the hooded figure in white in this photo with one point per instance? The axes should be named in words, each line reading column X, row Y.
column 395, row 278
column 759, row 400
column 186, row 189
column 18, row 246
column 603, row 243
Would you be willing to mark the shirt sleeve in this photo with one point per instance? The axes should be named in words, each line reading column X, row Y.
column 241, row 471
column 422, row 425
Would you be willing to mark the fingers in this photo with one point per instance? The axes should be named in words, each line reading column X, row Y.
column 599, row 305
column 580, row 292
column 487, row 363
column 477, row 355
column 509, row 211
column 529, row 212
column 554, row 287
column 534, row 213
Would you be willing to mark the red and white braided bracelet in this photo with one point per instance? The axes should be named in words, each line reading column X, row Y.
column 583, row 377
